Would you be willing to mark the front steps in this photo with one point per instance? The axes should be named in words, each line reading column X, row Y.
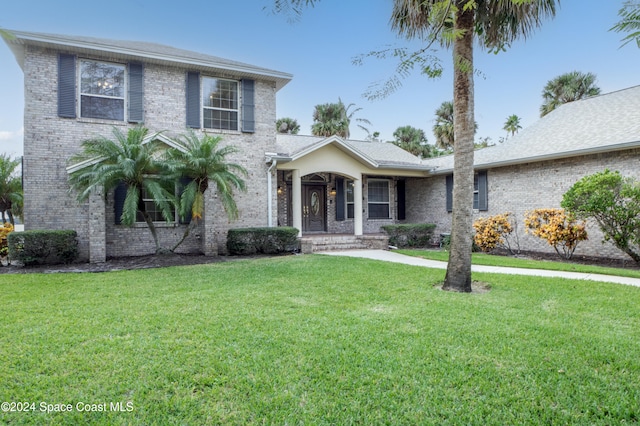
column 330, row 242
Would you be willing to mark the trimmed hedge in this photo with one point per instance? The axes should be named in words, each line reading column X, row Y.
column 247, row 241
column 410, row 234
column 43, row 247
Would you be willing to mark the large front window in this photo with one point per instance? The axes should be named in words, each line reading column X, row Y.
column 102, row 90
column 378, row 199
column 220, row 103
column 149, row 206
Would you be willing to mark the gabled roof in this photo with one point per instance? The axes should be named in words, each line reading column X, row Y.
column 609, row 122
column 378, row 155
column 156, row 137
column 137, row 50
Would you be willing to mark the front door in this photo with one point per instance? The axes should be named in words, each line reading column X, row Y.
column 313, row 208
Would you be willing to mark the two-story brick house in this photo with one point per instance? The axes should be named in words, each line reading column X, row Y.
column 77, row 88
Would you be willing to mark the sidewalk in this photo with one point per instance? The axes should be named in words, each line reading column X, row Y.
column 390, row 256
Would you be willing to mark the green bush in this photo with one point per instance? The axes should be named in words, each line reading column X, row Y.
column 43, row 247
column 613, row 201
column 247, row 241
column 410, row 234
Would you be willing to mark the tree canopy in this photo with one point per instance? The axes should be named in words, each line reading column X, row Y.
column 568, row 87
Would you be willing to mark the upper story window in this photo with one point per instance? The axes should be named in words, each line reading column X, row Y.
column 102, row 90
column 220, row 105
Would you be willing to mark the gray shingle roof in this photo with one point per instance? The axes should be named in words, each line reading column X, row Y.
column 150, row 52
column 602, row 123
column 379, row 154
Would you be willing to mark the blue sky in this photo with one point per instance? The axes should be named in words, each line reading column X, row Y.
column 319, row 48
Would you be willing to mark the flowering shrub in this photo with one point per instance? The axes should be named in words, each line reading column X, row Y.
column 494, row 232
column 560, row 230
column 5, row 230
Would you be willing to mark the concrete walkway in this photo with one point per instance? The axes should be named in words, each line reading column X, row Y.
column 390, row 256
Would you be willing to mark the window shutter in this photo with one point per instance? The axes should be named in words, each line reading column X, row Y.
column 248, row 106
column 340, row 199
column 66, row 86
column 119, row 195
column 136, row 93
column 449, row 193
column 184, row 181
column 483, row 199
column 193, row 100
column 400, row 194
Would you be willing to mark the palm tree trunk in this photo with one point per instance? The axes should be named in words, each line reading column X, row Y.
column 152, row 229
column 458, row 277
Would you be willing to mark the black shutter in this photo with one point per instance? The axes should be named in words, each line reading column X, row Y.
column 136, row 91
column 184, row 181
column 449, row 193
column 340, row 198
column 66, row 86
column 193, row 100
column 483, row 199
column 400, row 194
column 119, row 195
column 248, row 106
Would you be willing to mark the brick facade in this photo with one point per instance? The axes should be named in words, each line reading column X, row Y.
column 49, row 142
column 520, row 188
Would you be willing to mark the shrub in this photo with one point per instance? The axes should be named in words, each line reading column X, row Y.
column 495, row 232
column 43, row 247
column 614, row 202
column 246, row 241
column 410, row 235
column 559, row 229
column 5, row 230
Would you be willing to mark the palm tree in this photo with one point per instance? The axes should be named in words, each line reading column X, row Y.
column 414, row 141
column 204, row 161
column 568, row 87
column 128, row 160
column 629, row 22
column 11, row 197
column 287, row 125
column 335, row 119
column 457, row 22
column 443, row 129
column 512, row 125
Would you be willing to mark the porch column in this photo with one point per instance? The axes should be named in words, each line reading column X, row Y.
column 296, row 200
column 357, row 206
column 97, row 227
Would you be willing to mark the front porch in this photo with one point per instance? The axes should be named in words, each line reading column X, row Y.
column 328, row 242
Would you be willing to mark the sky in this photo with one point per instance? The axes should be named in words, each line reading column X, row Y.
column 318, row 49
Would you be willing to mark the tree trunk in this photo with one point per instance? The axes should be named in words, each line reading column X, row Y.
column 458, row 277
column 154, row 233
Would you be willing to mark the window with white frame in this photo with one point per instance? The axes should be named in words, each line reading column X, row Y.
column 220, row 103
column 349, row 199
column 102, row 90
column 378, row 198
column 149, row 206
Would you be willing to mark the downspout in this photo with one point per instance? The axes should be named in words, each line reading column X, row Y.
column 274, row 163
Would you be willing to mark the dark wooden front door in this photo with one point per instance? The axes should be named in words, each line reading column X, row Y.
column 313, row 208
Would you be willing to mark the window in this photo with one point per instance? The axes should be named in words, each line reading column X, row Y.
column 349, row 200
column 480, row 192
column 150, row 207
column 378, row 199
column 102, row 90
column 220, row 103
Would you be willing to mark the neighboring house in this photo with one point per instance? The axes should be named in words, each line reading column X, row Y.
column 322, row 186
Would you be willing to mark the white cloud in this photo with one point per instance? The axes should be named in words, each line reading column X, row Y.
column 11, row 141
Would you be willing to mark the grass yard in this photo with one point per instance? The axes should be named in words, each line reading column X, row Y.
column 316, row 340
column 516, row 262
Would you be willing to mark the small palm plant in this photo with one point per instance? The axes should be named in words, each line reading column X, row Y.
column 127, row 160
column 201, row 162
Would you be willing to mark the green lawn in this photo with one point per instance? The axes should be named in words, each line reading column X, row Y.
column 515, row 262
column 317, row 340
